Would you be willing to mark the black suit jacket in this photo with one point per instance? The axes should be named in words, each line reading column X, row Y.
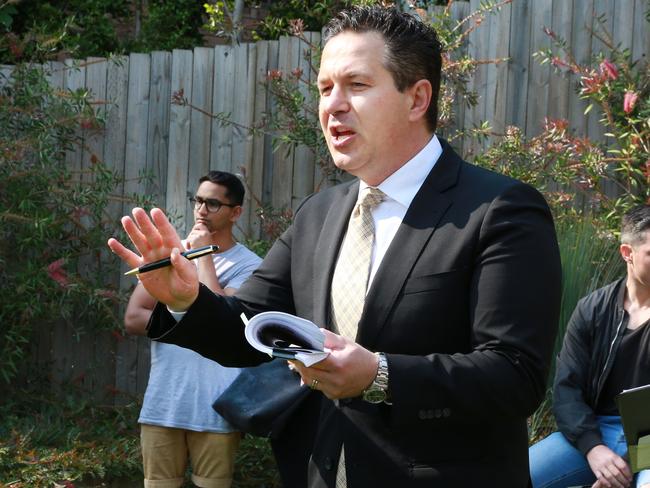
column 465, row 305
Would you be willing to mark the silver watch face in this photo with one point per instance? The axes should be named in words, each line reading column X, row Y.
column 374, row 395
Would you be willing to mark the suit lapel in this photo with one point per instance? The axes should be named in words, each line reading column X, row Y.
column 327, row 249
column 416, row 230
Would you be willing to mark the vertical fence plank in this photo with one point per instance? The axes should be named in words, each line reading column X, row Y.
column 321, row 180
column 97, row 348
column 303, row 165
column 133, row 367
column 179, row 139
column 54, row 74
column 518, row 71
column 158, row 129
column 641, row 39
column 42, row 344
column 581, row 47
column 5, row 74
column 96, row 70
column 269, row 148
column 223, row 103
column 538, row 80
column 479, row 43
column 283, row 157
column 623, row 24
column 200, row 122
column 459, row 11
column 114, row 153
column 242, row 143
column 560, row 83
column 74, row 78
column 254, row 176
column 604, row 9
column 497, row 88
column 69, row 361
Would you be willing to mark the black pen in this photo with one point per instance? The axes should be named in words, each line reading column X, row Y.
column 190, row 254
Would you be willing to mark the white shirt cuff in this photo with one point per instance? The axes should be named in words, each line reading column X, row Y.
column 177, row 315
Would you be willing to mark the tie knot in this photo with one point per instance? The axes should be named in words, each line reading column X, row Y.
column 371, row 197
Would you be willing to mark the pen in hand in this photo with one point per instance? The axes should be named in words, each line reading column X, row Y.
column 190, row 254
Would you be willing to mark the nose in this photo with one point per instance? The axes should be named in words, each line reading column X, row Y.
column 202, row 209
column 336, row 101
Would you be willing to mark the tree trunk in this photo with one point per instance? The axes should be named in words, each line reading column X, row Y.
column 237, row 16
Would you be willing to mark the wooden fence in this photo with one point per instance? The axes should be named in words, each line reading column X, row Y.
column 146, row 133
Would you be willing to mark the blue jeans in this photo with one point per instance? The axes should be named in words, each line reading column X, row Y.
column 554, row 463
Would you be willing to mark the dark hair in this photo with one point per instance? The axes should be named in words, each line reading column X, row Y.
column 635, row 223
column 234, row 188
column 412, row 47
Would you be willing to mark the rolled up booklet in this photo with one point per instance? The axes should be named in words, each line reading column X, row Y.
column 282, row 335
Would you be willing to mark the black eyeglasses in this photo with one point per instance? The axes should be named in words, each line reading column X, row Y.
column 212, row 204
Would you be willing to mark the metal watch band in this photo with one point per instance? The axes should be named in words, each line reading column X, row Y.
column 377, row 392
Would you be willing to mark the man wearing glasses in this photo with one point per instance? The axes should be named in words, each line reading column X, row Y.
column 176, row 418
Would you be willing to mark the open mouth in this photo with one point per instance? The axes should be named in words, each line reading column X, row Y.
column 341, row 135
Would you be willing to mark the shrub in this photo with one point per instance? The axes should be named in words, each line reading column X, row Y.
column 85, row 27
column 53, row 263
column 574, row 171
column 65, row 439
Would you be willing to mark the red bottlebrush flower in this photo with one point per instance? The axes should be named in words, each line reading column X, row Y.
column 609, row 69
column 629, row 101
column 57, row 273
column 274, row 74
column 297, row 73
column 591, row 82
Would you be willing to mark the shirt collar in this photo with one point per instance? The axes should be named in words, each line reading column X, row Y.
column 404, row 183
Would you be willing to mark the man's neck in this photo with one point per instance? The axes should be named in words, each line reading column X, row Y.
column 637, row 302
column 224, row 240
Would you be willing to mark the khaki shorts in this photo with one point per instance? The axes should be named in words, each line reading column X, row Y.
column 165, row 452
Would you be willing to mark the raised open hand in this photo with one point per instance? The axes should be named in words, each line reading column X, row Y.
column 155, row 238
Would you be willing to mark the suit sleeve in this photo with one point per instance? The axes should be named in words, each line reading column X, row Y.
column 212, row 325
column 514, row 296
column 575, row 418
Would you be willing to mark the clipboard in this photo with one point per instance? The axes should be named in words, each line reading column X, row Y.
column 634, row 407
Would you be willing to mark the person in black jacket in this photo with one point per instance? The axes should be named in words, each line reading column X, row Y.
column 606, row 350
column 436, row 283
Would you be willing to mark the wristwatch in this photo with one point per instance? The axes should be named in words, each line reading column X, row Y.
column 377, row 392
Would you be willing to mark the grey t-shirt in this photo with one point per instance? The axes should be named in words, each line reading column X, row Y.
column 182, row 383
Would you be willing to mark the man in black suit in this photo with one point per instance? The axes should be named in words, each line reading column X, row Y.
column 450, row 346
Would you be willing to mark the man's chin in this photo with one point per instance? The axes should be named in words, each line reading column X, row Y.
column 344, row 162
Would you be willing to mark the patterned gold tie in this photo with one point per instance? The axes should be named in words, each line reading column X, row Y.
column 350, row 279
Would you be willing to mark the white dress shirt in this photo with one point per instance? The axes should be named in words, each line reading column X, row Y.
column 400, row 189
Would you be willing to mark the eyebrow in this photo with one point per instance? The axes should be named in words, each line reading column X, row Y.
column 347, row 76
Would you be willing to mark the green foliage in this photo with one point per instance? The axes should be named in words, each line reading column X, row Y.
column 313, row 15
column 85, row 27
column 52, row 219
column 255, row 465
column 46, row 439
column 171, row 24
column 7, row 13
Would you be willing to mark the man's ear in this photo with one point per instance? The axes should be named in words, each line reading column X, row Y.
column 626, row 252
column 236, row 213
column 420, row 99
